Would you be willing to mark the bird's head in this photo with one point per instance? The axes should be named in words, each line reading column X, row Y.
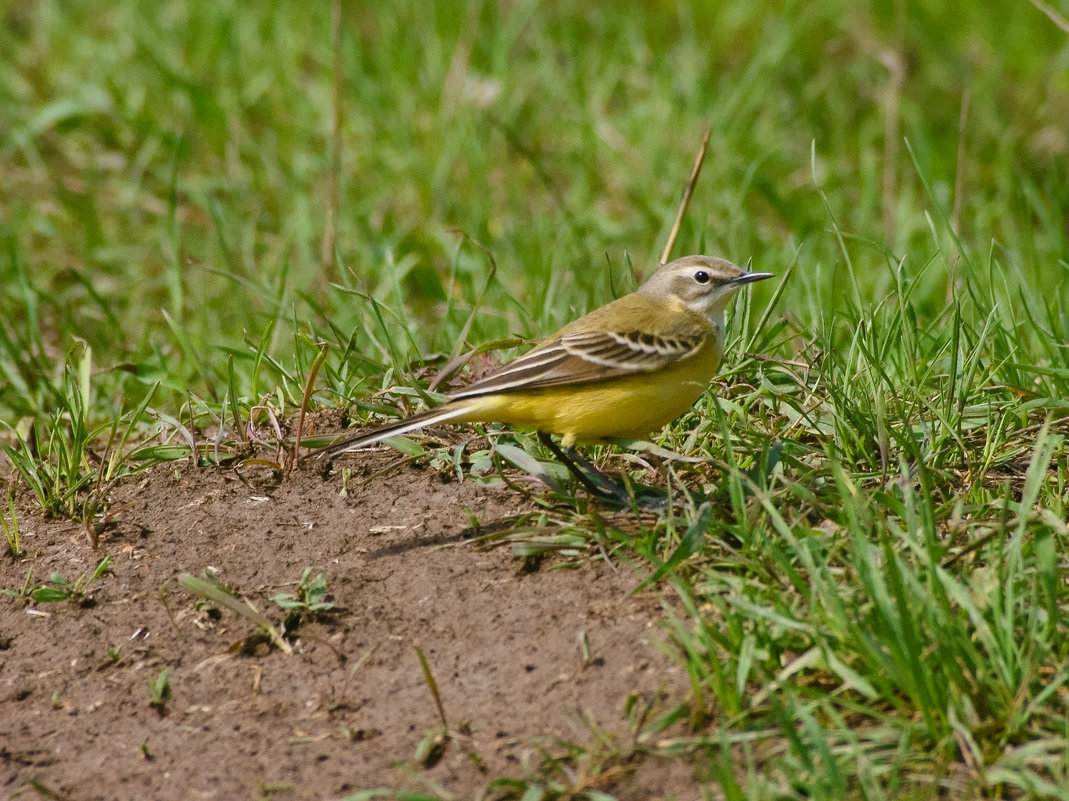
column 701, row 284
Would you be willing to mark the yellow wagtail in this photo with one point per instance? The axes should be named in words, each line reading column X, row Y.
column 619, row 372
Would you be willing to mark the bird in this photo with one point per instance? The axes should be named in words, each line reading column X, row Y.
column 619, row 372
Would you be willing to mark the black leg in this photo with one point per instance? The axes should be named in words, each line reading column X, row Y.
column 609, row 490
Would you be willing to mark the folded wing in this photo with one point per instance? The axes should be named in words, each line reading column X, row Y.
column 586, row 357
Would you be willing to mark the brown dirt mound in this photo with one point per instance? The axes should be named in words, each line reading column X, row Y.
column 349, row 709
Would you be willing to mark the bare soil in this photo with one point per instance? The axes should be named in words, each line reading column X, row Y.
column 350, row 708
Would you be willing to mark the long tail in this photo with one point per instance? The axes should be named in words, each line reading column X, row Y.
column 414, row 422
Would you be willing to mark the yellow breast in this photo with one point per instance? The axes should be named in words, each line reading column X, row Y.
column 627, row 407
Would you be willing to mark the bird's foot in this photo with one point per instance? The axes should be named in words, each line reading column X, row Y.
column 602, row 486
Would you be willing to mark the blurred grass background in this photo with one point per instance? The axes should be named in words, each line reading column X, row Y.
column 168, row 170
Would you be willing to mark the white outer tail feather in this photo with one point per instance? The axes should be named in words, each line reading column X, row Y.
column 450, row 411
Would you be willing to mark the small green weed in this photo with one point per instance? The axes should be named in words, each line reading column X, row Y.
column 58, row 588
column 211, row 590
column 159, row 691
column 54, row 462
column 10, row 523
column 310, row 596
column 25, row 590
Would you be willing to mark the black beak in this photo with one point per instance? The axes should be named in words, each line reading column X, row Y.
column 749, row 278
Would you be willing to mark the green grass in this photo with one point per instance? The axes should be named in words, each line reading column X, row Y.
column 869, row 595
column 59, row 588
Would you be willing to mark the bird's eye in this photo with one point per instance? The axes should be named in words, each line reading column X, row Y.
column 701, row 277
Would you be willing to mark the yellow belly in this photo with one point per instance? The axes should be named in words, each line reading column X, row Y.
column 629, row 407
